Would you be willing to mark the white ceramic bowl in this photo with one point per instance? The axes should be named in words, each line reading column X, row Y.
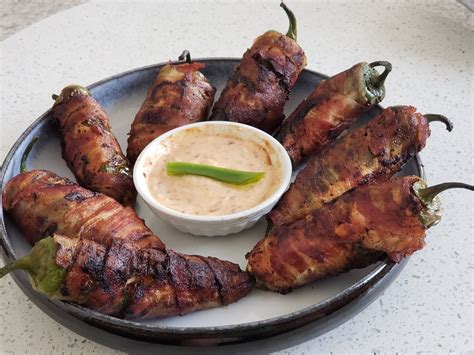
column 213, row 225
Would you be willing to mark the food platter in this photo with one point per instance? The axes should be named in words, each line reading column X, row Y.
column 261, row 314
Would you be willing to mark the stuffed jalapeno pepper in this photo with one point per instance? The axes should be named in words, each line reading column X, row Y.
column 258, row 88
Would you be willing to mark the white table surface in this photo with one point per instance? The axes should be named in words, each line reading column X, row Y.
column 431, row 46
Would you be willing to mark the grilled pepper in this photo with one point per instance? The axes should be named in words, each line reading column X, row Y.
column 259, row 87
column 180, row 95
column 331, row 108
column 89, row 147
column 374, row 152
column 135, row 280
column 357, row 229
column 111, row 261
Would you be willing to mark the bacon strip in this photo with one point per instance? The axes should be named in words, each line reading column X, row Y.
column 347, row 233
column 90, row 149
column 115, row 264
column 259, row 87
column 374, row 152
column 325, row 113
column 180, row 95
column 142, row 280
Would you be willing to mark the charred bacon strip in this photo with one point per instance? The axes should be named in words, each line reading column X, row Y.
column 89, row 147
column 131, row 280
column 353, row 231
column 114, row 264
column 259, row 87
column 41, row 202
column 370, row 153
column 180, row 95
column 331, row 108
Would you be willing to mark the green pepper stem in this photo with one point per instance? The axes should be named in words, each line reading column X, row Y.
column 427, row 194
column 9, row 268
column 186, row 54
column 292, row 30
column 380, row 79
column 27, row 151
column 431, row 117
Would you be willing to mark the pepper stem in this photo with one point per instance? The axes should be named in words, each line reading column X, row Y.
column 68, row 92
column 9, row 268
column 427, row 194
column 431, row 117
column 40, row 264
column 27, row 151
column 292, row 30
column 186, row 54
column 380, row 79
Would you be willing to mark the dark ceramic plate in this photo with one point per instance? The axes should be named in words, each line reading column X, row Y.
column 261, row 314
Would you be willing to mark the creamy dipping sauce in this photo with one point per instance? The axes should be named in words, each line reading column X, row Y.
column 204, row 196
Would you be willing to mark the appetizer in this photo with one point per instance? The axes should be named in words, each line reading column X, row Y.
column 110, row 260
column 331, row 108
column 89, row 147
column 180, row 95
column 374, row 152
column 259, row 87
column 136, row 280
column 353, row 231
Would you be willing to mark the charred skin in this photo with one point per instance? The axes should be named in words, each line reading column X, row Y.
column 40, row 202
column 259, row 87
column 89, row 147
column 115, row 264
column 179, row 95
column 353, row 231
column 374, row 152
column 142, row 280
column 325, row 113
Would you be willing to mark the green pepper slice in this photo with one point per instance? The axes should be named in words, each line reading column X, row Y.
column 230, row 176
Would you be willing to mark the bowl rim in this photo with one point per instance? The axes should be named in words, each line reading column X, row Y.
column 140, row 181
column 351, row 299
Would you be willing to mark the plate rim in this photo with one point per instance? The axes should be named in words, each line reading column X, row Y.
column 243, row 331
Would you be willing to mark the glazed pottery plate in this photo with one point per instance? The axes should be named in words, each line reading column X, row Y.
column 262, row 313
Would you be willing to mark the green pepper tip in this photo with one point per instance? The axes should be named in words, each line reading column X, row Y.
column 431, row 213
column 374, row 82
column 68, row 92
column 46, row 276
column 27, row 151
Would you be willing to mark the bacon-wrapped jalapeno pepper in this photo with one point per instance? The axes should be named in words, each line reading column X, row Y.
column 370, row 153
column 89, row 147
column 331, row 108
column 180, row 95
column 113, row 264
column 351, row 232
column 259, row 87
column 136, row 280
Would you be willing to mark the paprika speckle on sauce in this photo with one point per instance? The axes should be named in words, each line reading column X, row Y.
column 204, row 196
